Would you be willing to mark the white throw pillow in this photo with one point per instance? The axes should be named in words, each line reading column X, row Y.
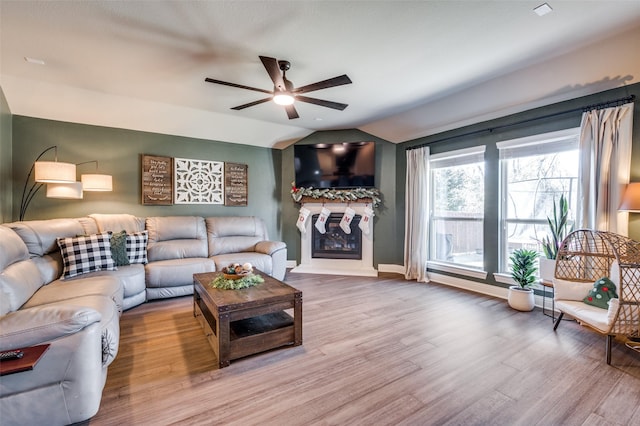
column 570, row 290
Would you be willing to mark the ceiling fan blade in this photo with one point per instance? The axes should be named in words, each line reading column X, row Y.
column 250, row 104
column 291, row 112
column 325, row 84
column 271, row 65
column 328, row 104
column 240, row 86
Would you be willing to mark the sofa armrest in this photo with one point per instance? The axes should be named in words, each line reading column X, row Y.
column 270, row 247
column 40, row 324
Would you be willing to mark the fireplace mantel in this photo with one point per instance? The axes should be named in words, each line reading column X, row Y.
column 359, row 267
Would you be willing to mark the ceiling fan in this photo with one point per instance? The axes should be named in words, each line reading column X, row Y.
column 284, row 93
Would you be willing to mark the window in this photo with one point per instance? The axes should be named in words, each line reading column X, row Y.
column 534, row 173
column 457, row 200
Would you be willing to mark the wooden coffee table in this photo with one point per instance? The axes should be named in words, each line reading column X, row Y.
column 244, row 322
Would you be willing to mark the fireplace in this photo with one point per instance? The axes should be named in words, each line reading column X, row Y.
column 335, row 243
column 336, row 256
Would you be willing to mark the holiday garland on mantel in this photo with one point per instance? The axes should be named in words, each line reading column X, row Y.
column 345, row 195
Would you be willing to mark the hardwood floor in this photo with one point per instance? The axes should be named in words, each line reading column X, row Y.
column 376, row 351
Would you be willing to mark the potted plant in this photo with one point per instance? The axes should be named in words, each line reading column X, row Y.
column 559, row 228
column 523, row 272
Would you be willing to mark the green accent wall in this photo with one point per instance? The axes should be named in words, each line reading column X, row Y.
column 119, row 153
column 387, row 239
column 5, row 159
column 506, row 128
column 271, row 171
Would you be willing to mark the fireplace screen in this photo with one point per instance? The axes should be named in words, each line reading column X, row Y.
column 335, row 243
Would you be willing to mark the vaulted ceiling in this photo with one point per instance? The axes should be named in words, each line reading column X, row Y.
column 418, row 67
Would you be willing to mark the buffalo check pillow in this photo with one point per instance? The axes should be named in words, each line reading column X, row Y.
column 137, row 247
column 86, row 254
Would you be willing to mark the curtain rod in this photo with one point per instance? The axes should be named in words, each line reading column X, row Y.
column 601, row 105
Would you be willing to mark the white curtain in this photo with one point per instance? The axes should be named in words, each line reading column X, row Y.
column 417, row 215
column 605, row 162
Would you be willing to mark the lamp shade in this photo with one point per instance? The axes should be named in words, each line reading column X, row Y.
column 69, row 191
column 631, row 198
column 97, row 182
column 54, row 172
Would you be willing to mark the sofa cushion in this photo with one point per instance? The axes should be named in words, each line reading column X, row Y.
column 61, row 290
column 130, row 276
column 18, row 282
column 176, row 237
column 86, row 254
column 41, row 236
column 234, row 234
column 137, row 247
column 116, row 222
column 12, row 248
column 176, row 272
column 260, row 261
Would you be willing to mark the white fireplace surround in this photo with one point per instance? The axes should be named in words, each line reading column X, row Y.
column 360, row 267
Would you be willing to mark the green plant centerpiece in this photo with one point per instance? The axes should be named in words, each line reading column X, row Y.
column 236, row 277
column 523, row 272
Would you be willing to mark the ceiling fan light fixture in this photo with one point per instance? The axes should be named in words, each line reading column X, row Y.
column 283, row 98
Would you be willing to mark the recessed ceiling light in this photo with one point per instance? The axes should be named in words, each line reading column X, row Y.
column 34, row 60
column 543, row 9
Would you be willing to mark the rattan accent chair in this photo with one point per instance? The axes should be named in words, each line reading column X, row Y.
column 586, row 256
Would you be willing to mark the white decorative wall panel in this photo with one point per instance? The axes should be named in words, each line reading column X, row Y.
column 199, row 182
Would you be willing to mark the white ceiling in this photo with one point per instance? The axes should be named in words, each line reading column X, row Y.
column 418, row 67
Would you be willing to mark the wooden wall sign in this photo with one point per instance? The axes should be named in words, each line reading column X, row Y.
column 236, row 184
column 157, row 180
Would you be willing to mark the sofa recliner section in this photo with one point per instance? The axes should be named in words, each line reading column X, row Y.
column 79, row 317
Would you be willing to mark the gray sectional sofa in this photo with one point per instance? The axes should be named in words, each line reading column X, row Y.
column 79, row 316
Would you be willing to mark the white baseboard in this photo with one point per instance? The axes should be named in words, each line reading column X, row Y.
column 291, row 264
column 396, row 269
column 487, row 289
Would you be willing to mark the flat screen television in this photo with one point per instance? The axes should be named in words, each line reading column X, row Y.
column 337, row 165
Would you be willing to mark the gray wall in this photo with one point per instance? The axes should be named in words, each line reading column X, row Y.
column 458, row 139
column 119, row 154
column 5, row 159
column 387, row 240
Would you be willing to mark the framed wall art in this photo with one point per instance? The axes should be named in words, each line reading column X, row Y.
column 236, row 184
column 198, row 181
column 157, row 180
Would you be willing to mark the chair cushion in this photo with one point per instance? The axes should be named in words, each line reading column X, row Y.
column 596, row 318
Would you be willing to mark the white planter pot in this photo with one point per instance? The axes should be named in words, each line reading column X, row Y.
column 521, row 299
column 547, row 268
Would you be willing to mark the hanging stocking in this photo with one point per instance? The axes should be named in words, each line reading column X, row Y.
column 322, row 220
column 302, row 220
column 365, row 221
column 345, row 222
